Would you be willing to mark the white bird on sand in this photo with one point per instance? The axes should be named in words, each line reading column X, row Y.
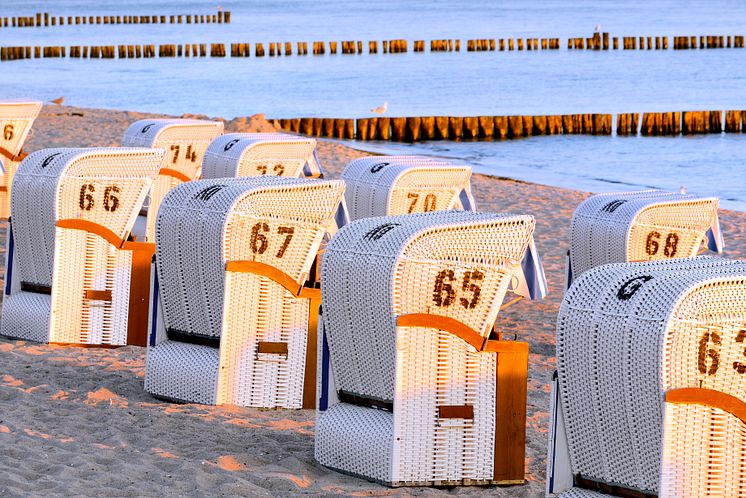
column 598, row 28
column 381, row 109
column 682, row 190
column 59, row 101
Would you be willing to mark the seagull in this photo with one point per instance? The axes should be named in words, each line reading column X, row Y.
column 598, row 28
column 381, row 109
column 59, row 101
column 682, row 190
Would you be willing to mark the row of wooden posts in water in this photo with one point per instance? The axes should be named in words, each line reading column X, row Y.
column 43, row 19
column 601, row 41
column 414, row 129
column 351, row 47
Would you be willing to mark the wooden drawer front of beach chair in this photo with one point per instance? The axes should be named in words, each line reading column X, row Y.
column 669, row 230
column 627, row 319
column 16, row 119
column 704, row 446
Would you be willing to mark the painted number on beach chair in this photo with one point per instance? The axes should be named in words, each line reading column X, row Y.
column 708, row 361
column 8, row 132
column 190, row 154
column 652, row 244
column 279, row 169
column 444, row 294
column 87, row 201
column 260, row 243
column 429, row 202
column 378, row 167
column 379, row 231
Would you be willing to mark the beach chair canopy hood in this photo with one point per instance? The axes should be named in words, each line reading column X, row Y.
column 184, row 141
column 392, row 185
column 261, row 154
column 641, row 226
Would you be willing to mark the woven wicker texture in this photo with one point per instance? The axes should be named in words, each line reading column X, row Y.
column 260, row 154
column 278, row 222
column 185, row 142
column 450, row 264
column 392, row 185
column 99, row 187
column 708, row 457
column 638, row 226
column 16, row 119
column 617, row 335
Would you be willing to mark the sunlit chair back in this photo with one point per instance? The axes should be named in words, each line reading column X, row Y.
column 16, row 119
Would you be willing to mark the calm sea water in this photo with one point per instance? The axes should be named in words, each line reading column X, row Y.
column 543, row 82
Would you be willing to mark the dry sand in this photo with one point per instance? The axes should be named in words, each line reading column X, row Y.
column 76, row 421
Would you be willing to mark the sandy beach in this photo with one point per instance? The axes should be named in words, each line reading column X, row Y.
column 76, row 421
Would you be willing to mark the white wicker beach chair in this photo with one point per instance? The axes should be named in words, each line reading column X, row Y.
column 261, row 154
column 73, row 275
column 420, row 392
column 626, row 334
column 185, row 142
column 16, row 119
column 392, row 185
column 235, row 298
column 641, row 226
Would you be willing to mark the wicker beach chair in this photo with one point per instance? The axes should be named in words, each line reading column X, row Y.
column 73, row 275
column 392, row 185
column 261, row 154
column 420, row 392
column 627, row 334
column 235, row 300
column 16, row 119
column 640, row 226
column 185, row 142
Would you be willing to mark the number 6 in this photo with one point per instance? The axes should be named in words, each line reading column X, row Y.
column 651, row 244
column 111, row 202
column 86, row 199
